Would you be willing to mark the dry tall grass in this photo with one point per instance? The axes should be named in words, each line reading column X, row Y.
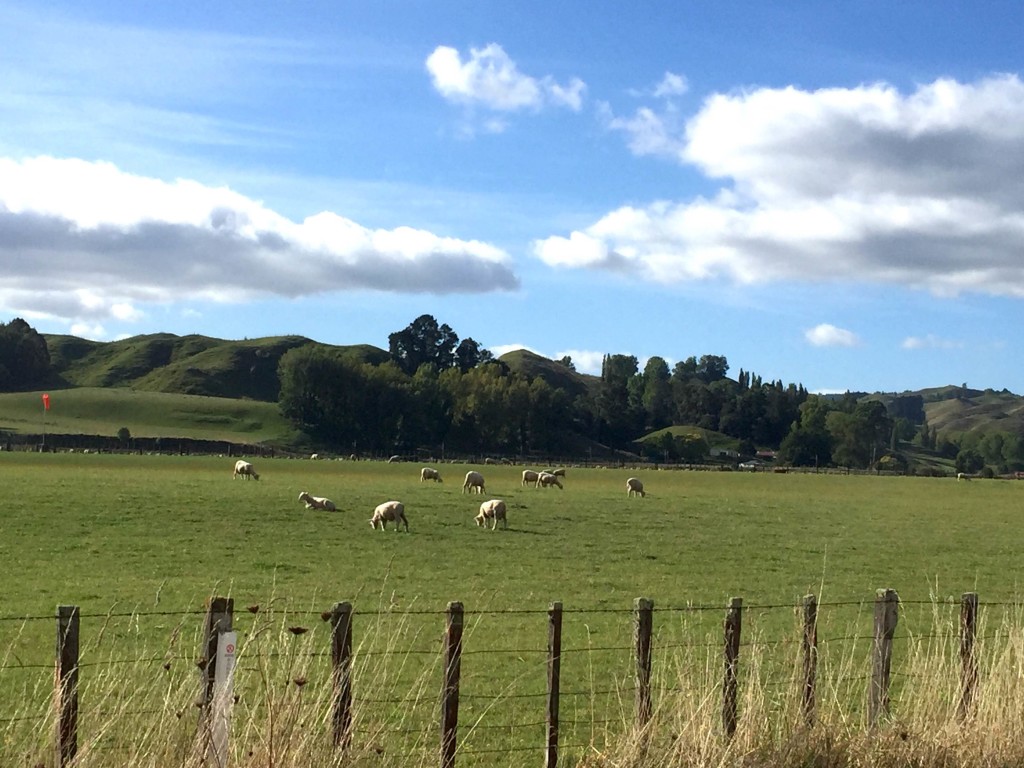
column 141, row 711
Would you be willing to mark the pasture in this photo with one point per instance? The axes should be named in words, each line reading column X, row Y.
column 140, row 542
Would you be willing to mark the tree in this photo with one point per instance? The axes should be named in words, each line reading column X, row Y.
column 470, row 354
column 712, row 368
column 809, row 443
column 618, row 415
column 24, row 357
column 423, row 341
column 568, row 363
column 969, row 461
column 124, row 435
column 657, row 394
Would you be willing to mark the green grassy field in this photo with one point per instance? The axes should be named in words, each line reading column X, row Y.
column 146, row 539
column 102, row 411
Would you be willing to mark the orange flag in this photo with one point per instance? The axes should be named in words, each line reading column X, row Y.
column 46, row 402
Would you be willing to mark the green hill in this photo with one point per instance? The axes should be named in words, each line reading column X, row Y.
column 193, row 365
column 556, row 374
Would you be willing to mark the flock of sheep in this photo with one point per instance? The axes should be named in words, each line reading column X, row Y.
column 491, row 511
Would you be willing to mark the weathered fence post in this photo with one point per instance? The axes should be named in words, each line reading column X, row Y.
column 450, row 691
column 219, row 619
column 341, row 673
column 643, row 629
column 886, row 615
column 810, row 657
column 968, row 659
column 554, row 676
column 66, row 684
column 733, row 626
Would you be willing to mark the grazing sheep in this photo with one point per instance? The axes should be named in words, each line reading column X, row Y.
column 246, row 470
column 546, row 479
column 634, row 487
column 317, row 502
column 388, row 511
column 489, row 460
column 314, row 456
column 493, row 510
column 394, row 459
column 556, row 472
column 961, row 476
column 529, row 476
column 429, row 473
column 474, row 482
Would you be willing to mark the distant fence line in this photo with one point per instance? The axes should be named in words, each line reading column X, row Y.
column 218, row 624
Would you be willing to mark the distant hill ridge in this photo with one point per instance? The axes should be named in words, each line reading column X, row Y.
column 247, row 369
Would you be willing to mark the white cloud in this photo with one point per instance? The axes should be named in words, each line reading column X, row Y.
column 826, row 335
column 671, row 85
column 490, row 78
column 584, row 360
column 861, row 184
column 930, row 342
column 87, row 242
column 500, row 349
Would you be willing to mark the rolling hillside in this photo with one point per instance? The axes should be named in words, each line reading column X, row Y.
column 167, row 366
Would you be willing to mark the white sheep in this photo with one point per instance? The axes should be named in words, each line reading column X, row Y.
column 314, row 456
column 474, row 482
column 394, row 459
column 634, row 487
column 961, row 476
column 546, row 479
column 556, row 472
column 317, row 502
column 493, row 510
column 529, row 476
column 388, row 511
column 246, row 470
column 429, row 473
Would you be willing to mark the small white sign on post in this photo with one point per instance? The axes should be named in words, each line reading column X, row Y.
column 223, row 697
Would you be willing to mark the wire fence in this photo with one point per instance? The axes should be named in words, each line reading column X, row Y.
column 142, row 679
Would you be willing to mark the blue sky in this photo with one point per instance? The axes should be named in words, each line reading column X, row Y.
column 826, row 194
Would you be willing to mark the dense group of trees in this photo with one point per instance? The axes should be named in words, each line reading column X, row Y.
column 24, row 357
column 363, row 407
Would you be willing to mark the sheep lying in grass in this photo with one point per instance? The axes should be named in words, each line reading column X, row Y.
column 493, row 510
column 317, row 502
column 634, row 487
column 546, row 479
column 530, row 477
column 429, row 473
column 388, row 511
column 246, row 470
column 474, row 482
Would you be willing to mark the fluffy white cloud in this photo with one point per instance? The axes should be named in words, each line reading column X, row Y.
column 87, row 242
column 844, row 184
column 584, row 360
column 826, row 335
column 490, row 78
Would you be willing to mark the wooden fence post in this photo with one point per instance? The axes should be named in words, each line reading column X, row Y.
column 66, row 684
column 341, row 673
column 643, row 628
column 554, row 676
column 450, row 691
column 219, row 619
column 968, row 659
column 810, row 657
column 886, row 616
column 733, row 626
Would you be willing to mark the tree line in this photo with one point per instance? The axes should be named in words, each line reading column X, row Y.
column 437, row 392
